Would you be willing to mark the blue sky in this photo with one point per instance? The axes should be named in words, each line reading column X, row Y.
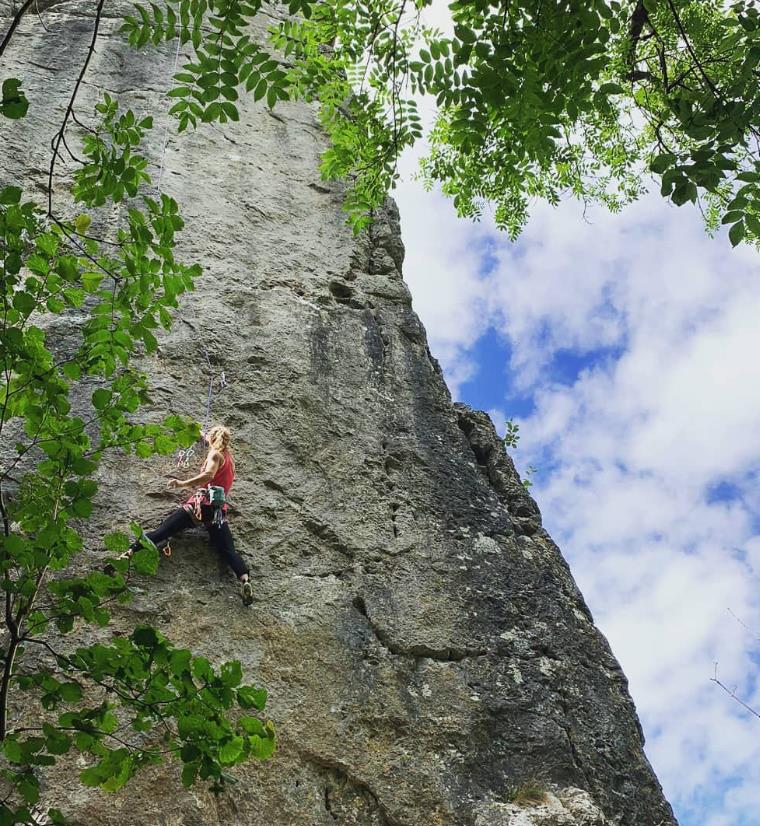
column 491, row 388
column 626, row 349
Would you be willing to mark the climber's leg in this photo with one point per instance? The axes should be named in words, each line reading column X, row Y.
column 220, row 536
column 175, row 523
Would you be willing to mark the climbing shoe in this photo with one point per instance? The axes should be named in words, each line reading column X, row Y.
column 246, row 591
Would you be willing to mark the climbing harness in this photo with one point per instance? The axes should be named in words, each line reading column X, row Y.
column 208, row 505
column 217, row 500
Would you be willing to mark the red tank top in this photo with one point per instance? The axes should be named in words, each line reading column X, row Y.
column 225, row 476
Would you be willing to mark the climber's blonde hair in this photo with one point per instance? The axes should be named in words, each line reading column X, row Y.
column 219, row 438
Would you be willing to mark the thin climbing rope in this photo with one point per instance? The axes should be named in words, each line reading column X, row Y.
column 166, row 126
column 186, row 457
column 210, row 396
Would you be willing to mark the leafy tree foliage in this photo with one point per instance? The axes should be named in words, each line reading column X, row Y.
column 123, row 702
column 535, row 98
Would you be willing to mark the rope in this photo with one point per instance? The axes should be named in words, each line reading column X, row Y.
column 185, row 458
column 166, row 127
column 210, row 397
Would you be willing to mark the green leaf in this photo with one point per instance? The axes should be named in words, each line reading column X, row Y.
column 82, row 508
column 212, row 112
column 82, row 223
column 202, row 669
column 252, row 725
column 12, row 750
column 260, row 90
column 10, row 195
column 251, row 697
column 189, row 773
column 231, row 750
column 231, row 673
column 736, row 233
column 92, row 776
column 71, row 692
column 753, row 225
column 662, row 162
column 231, row 111
column 24, row 302
column 145, row 636
column 145, row 560
column 465, row 34
column 29, row 787
column 100, row 398
column 116, row 542
column 13, row 103
column 180, row 662
column 91, row 281
column 262, row 747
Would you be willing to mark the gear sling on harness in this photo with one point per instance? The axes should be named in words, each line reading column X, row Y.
column 209, row 505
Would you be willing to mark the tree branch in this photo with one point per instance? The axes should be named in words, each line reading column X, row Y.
column 69, row 109
column 713, row 88
column 638, row 18
column 14, row 23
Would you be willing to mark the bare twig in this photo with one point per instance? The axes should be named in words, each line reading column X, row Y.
column 69, row 109
column 14, row 23
column 713, row 88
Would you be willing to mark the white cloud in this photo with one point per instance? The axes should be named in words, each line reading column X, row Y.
column 632, row 448
column 443, row 270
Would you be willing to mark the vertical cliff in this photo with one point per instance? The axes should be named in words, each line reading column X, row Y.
column 425, row 647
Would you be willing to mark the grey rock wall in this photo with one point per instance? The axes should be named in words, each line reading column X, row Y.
column 424, row 644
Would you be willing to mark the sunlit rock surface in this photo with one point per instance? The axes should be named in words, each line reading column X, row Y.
column 423, row 642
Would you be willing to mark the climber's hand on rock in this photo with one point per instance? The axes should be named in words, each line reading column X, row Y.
column 174, row 484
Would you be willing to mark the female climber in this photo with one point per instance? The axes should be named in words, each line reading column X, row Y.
column 218, row 470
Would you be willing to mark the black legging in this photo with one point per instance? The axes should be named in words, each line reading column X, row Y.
column 220, row 537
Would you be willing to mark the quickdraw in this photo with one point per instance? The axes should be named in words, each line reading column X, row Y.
column 185, row 457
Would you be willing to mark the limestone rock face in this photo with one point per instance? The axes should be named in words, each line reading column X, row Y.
column 423, row 642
